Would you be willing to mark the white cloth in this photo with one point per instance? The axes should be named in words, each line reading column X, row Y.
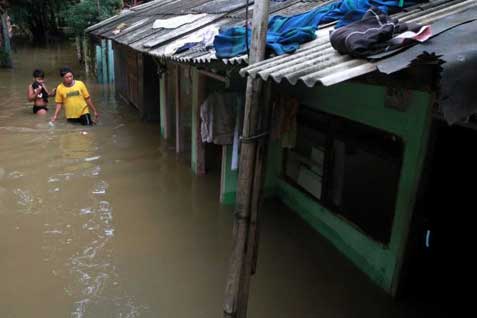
column 204, row 38
column 177, row 21
column 236, row 143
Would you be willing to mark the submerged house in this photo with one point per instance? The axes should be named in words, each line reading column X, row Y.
column 358, row 147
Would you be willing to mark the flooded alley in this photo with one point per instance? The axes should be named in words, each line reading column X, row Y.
column 106, row 221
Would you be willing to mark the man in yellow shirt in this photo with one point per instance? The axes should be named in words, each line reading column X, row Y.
column 74, row 96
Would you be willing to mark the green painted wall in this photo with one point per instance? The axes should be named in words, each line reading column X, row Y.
column 110, row 53
column 99, row 64
column 104, row 58
column 229, row 178
column 365, row 104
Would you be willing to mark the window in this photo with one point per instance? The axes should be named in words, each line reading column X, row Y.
column 351, row 168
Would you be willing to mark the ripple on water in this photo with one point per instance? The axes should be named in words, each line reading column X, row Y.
column 100, row 187
column 27, row 202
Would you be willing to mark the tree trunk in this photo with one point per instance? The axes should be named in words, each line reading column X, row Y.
column 5, row 48
column 79, row 51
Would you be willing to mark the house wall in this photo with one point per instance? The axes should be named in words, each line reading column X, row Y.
column 104, row 61
column 356, row 102
column 365, row 104
column 360, row 103
column 120, row 70
column 136, row 80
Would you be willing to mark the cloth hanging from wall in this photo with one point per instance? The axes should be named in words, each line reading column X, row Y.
column 285, row 34
column 218, row 117
column 284, row 120
column 237, row 132
column 376, row 32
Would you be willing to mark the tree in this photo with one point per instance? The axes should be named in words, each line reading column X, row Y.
column 88, row 12
column 40, row 17
column 44, row 18
column 5, row 32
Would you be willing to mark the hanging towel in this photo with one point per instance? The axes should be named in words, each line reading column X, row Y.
column 218, row 117
column 237, row 132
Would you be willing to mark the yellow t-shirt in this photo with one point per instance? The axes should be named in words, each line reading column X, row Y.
column 73, row 99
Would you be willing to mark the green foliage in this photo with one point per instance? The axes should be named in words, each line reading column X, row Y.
column 88, row 12
column 42, row 18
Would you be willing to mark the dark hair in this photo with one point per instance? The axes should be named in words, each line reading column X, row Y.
column 65, row 70
column 38, row 73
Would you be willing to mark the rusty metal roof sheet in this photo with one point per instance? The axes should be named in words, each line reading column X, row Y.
column 317, row 62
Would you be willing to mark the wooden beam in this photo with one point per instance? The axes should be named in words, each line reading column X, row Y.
column 179, row 134
column 163, row 104
column 237, row 285
column 198, row 97
column 217, row 77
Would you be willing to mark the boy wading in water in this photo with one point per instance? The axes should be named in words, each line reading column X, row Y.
column 38, row 93
column 74, row 97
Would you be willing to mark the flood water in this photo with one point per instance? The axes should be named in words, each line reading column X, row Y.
column 106, row 222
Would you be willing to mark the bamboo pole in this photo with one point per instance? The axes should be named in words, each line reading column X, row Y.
column 258, row 184
column 237, row 285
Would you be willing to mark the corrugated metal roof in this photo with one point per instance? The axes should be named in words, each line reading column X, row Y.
column 237, row 18
column 317, row 62
column 220, row 6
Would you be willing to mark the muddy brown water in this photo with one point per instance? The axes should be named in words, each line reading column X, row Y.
column 106, row 222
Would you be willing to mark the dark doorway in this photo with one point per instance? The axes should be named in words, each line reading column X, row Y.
column 438, row 255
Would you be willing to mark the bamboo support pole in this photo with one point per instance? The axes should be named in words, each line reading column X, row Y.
column 237, row 285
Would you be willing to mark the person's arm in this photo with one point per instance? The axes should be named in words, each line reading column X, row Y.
column 52, row 93
column 91, row 106
column 32, row 93
column 57, row 111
